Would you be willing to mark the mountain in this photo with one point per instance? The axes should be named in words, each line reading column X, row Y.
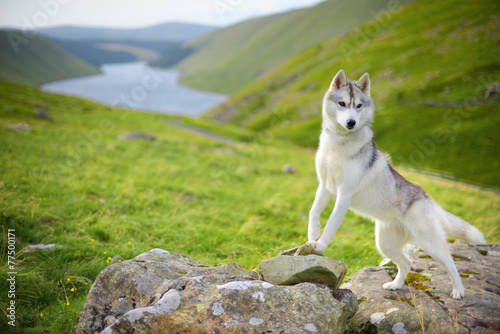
column 100, row 52
column 37, row 60
column 110, row 45
column 435, row 83
column 213, row 48
column 170, row 31
column 229, row 58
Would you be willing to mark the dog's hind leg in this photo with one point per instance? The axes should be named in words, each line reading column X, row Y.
column 391, row 240
column 429, row 236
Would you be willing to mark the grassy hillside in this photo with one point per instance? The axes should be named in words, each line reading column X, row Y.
column 212, row 48
column 37, row 60
column 229, row 58
column 70, row 181
column 430, row 79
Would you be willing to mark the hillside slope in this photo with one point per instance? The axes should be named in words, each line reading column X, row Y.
column 433, row 82
column 226, row 60
column 37, row 60
column 72, row 181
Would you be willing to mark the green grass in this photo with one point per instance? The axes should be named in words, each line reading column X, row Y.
column 34, row 60
column 226, row 60
column 426, row 76
column 70, row 181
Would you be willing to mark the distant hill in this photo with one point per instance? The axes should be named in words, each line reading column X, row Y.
column 170, row 31
column 108, row 45
column 37, row 60
column 435, row 82
column 100, row 52
column 227, row 59
column 214, row 47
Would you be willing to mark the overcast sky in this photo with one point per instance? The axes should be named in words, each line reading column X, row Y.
column 136, row 13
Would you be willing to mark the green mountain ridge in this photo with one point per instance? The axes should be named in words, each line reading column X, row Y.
column 430, row 79
column 34, row 60
column 226, row 60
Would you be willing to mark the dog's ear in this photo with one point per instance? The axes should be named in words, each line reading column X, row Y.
column 339, row 80
column 364, row 83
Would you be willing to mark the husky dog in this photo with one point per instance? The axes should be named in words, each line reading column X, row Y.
column 352, row 168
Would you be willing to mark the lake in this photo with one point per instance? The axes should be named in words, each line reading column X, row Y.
column 137, row 86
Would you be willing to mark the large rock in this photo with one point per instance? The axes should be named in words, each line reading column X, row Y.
column 165, row 292
column 426, row 303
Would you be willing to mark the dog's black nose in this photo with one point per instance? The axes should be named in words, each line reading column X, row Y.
column 351, row 123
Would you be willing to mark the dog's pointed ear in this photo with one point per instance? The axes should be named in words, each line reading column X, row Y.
column 339, row 80
column 364, row 83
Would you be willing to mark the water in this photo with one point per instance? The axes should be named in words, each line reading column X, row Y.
column 136, row 86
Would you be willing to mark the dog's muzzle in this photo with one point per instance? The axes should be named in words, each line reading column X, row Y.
column 351, row 124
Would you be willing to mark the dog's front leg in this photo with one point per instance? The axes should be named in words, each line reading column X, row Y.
column 341, row 206
column 320, row 201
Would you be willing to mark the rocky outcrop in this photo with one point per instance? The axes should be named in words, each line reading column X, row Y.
column 425, row 304
column 166, row 292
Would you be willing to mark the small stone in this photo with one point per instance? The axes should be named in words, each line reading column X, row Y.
column 289, row 169
column 493, row 89
column 41, row 247
column 289, row 270
column 136, row 135
column 20, row 127
column 187, row 198
column 301, row 250
column 42, row 113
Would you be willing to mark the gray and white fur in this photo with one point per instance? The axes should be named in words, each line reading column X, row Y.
column 351, row 168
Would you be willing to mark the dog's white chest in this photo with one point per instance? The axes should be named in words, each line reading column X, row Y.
column 330, row 170
column 336, row 167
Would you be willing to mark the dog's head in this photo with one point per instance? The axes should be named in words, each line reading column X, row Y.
column 347, row 105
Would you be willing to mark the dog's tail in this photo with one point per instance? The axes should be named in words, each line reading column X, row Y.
column 458, row 228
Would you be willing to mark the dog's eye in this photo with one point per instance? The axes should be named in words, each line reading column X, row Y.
column 359, row 105
column 342, row 104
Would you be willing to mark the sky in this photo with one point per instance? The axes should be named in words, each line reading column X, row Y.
column 135, row 13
